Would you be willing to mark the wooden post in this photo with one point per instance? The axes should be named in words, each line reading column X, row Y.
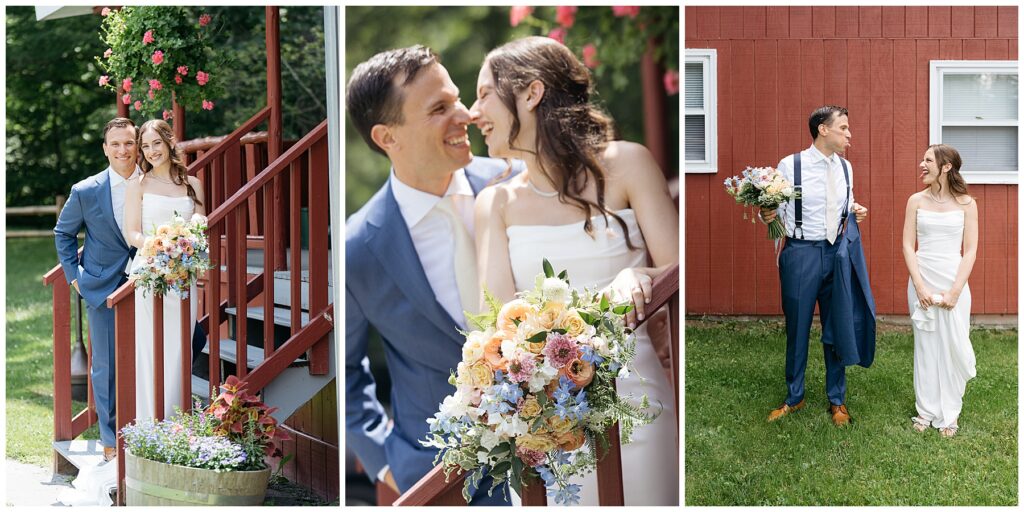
column 122, row 108
column 274, row 135
column 158, row 356
column 655, row 123
column 61, row 370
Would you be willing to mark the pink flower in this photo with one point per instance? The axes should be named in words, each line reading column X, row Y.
column 138, row 105
column 204, row 20
column 207, row 105
column 155, row 84
column 671, row 80
column 625, row 10
column 202, row 78
column 126, row 99
column 105, row 12
column 126, row 85
column 521, row 368
column 158, row 57
column 566, row 15
column 151, row 94
column 560, row 350
column 177, row 79
column 590, row 56
column 183, row 70
column 167, row 115
column 558, row 34
column 108, row 53
column 104, row 80
column 148, row 37
column 532, row 458
column 518, row 13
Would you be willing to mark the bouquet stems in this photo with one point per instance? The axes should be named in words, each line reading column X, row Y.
column 776, row 230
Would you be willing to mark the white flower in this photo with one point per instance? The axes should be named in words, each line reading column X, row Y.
column 456, row 405
column 508, row 347
column 555, row 289
column 541, row 377
column 512, row 427
column 473, row 349
column 787, row 191
column 601, row 346
column 489, row 439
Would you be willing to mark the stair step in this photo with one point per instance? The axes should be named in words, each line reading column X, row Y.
column 201, row 389
column 282, row 316
column 80, row 452
column 229, row 353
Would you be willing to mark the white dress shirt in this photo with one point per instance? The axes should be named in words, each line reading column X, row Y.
column 813, row 174
column 117, row 189
column 432, row 235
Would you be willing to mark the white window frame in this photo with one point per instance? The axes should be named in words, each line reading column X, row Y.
column 940, row 68
column 709, row 59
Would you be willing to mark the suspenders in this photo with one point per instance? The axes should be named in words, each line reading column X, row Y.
column 798, row 197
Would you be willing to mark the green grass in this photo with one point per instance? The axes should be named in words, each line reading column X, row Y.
column 735, row 376
column 30, row 352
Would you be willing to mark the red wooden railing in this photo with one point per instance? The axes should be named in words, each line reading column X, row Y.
column 433, row 489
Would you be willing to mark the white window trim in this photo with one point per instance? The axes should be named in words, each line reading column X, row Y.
column 940, row 67
column 709, row 58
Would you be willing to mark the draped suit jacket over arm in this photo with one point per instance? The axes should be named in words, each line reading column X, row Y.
column 852, row 316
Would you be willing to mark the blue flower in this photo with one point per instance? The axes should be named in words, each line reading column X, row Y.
column 590, row 356
column 567, row 495
column 546, row 475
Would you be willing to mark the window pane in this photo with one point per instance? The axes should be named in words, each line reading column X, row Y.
column 694, row 137
column 989, row 148
column 978, row 97
column 694, row 85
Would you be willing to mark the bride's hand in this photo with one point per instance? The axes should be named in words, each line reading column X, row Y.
column 634, row 286
column 949, row 299
column 924, row 296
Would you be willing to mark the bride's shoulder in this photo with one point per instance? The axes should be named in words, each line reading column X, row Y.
column 915, row 199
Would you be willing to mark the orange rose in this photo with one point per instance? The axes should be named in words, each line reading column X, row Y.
column 512, row 312
column 579, row 372
column 492, row 352
column 571, row 440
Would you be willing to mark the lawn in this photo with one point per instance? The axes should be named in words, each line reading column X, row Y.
column 735, row 376
column 30, row 352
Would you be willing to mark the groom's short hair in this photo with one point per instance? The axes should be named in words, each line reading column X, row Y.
column 823, row 115
column 117, row 122
column 373, row 97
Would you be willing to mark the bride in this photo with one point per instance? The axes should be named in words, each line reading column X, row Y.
column 941, row 218
column 162, row 190
column 593, row 206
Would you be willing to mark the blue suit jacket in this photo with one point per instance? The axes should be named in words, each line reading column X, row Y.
column 387, row 289
column 102, row 264
column 852, row 316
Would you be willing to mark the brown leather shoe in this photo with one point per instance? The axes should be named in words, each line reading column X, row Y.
column 109, row 453
column 840, row 416
column 783, row 410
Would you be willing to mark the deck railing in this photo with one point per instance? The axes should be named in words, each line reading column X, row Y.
column 433, row 489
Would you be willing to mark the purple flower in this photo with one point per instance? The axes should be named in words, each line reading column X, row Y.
column 560, row 350
column 520, row 369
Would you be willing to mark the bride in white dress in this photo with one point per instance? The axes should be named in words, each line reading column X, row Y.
column 942, row 219
column 163, row 190
column 578, row 197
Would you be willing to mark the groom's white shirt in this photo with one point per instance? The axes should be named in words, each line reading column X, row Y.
column 813, row 173
column 117, row 190
column 432, row 235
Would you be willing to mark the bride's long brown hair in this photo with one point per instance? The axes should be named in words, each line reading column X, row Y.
column 571, row 131
column 946, row 154
column 179, row 172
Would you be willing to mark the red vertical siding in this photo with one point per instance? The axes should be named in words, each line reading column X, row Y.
column 772, row 69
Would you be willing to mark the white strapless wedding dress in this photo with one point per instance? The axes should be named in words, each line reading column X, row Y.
column 158, row 210
column 650, row 463
column 943, row 355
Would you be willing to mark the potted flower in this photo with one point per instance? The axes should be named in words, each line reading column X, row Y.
column 157, row 55
column 214, row 456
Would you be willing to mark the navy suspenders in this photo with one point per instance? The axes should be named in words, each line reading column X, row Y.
column 798, row 197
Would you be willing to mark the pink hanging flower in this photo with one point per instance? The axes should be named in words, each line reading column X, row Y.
column 183, row 70
column 126, row 99
column 126, row 85
column 177, row 79
column 518, row 13
column 202, row 78
column 558, row 34
column 158, row 57
column 138, row 105
column 105, row 12
column 108, row 53
column 104, row 80
column 671, row 80
column 207, row 105
column 167, row 115
column 148, row 37
column 590, row 56
column 155, row 84
column 151, row 94
column 566, row 15
column 204, row 20
column 621, row 11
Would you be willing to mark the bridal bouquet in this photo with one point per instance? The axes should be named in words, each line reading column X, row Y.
column 536, row 384
column 761, row 187
column 174, row 256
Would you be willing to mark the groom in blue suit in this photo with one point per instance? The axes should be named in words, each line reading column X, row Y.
column 97, row 204
column 401, row 249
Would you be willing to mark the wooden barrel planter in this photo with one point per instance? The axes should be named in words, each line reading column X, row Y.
column 150, row 483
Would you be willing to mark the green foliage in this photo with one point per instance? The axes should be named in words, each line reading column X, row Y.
column 734, row 377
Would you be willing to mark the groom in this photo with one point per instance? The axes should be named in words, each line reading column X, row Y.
column 410, row 263
column 823, row 263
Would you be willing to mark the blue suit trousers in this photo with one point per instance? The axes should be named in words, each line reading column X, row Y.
column 101, row 332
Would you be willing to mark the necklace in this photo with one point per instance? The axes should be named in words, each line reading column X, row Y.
column 162, row 180
column 538, row 191
column 932, row 195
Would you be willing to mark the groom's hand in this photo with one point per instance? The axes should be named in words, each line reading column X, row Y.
column 860, row 211
column 767, row 216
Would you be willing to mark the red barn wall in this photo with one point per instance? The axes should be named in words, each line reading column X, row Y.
column 771, row 67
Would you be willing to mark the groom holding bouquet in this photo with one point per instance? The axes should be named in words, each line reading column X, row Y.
column 823, row 263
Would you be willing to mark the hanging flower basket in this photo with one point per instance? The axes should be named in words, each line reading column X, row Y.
column 156, row 55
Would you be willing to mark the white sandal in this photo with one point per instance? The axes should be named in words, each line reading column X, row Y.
column 949, row 431
column 920, row 424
